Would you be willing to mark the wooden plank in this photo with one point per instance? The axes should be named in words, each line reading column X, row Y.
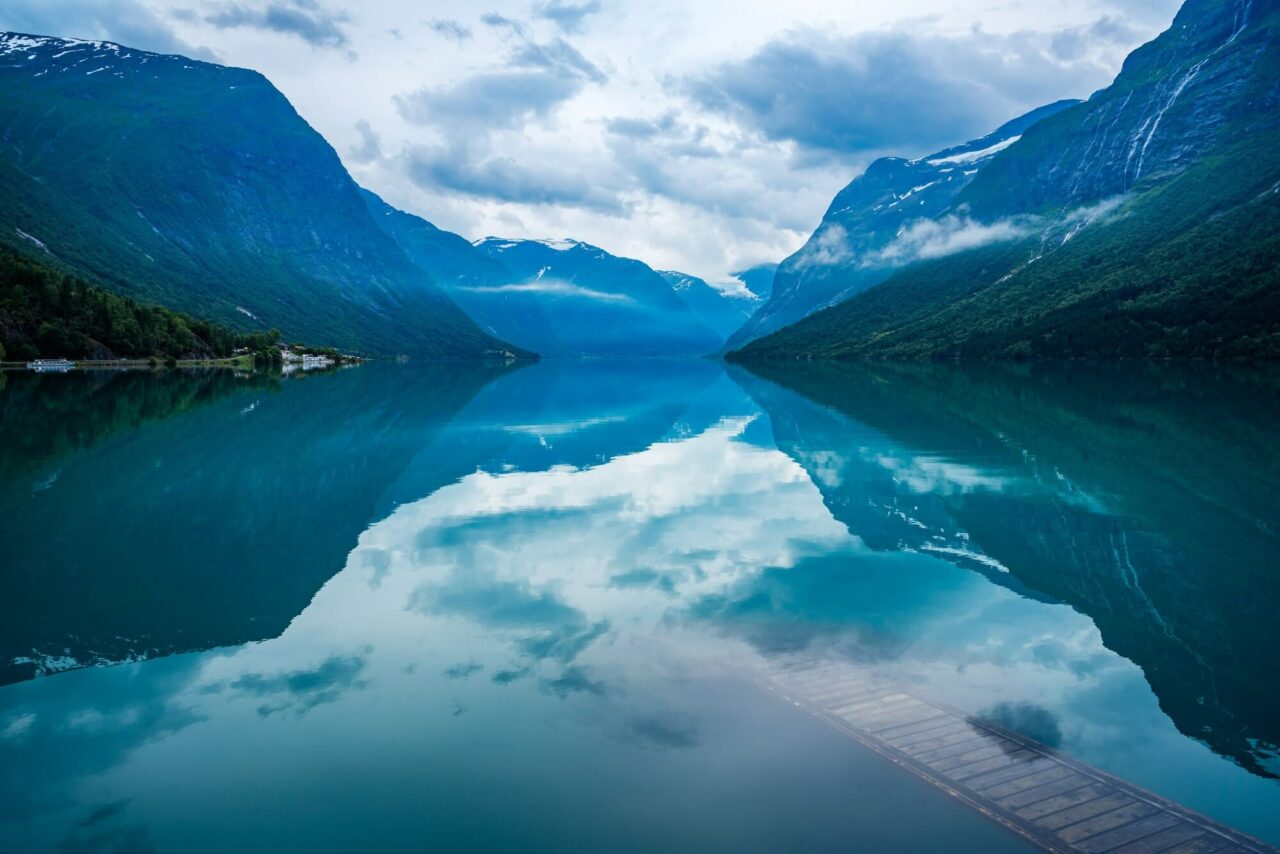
column 1108, row 800
column 1023, row 768
column 1076, row 797
column 961, row 744
column 1210, row 843
column 1128, row 833
column 913, row 735
column 1051, row 774
column 919, row 715
column 1000, row 763
column 1108, row 820
column 1164, row 840
column 932, row 748
column 844, row 696
column 1052, row 801
column 1043, row 800
column 989, row 750
column 869, row 705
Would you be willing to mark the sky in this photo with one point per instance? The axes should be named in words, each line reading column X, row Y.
column 703, row 136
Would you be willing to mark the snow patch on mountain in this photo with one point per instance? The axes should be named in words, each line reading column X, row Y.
column 968, row 157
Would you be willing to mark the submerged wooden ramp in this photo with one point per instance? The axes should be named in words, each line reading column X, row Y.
column 1057, row 803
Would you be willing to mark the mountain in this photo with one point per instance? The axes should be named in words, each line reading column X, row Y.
column 1144, row 222
column 44, row 314
column 758, row 279
column 848, row 254
column 723, row 311
column 599, row 304
column 471, row 278
column 1139, row 494
column 199, row 187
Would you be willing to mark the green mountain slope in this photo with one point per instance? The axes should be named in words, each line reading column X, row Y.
column 199, row 187
column 470, row 277
column 1142, row 223
column 46, row 314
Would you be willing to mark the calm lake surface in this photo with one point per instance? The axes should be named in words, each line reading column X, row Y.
column 414, row 607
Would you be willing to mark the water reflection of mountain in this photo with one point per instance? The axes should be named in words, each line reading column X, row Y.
column 218, row 527
column 1143, row 496
column 134, row 536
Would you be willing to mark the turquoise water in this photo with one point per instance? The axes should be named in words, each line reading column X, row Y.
column 408, row 607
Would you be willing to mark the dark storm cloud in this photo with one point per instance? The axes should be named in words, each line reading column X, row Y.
column 123, row 21
column 305, row 19
column 889, row 91
column 567, row 16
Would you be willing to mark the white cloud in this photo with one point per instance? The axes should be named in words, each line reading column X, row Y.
column 554, row 287
column 928, row 238
column 708, row 191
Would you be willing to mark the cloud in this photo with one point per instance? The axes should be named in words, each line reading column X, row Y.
column 305, row 19
column 125, row 21
column 828, row 248
column 1035, row 722
column 895, row 91
column 495, row 604
column 450, row 29
column 553, row 287
column 502, row 22
column 370, row 148
column 567, row 16
column 463, row 670
column 643, row 578
column 925, row 239
column 556, row 56
column 663, row 732
column 574, row 680
column 535, row 81
column 303, row 690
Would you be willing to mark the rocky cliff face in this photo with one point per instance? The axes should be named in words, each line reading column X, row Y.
column 199, row 187
column 1201, row 83
column 1141, row 223
column 846, row 254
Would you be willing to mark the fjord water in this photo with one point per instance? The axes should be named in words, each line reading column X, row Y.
column 460, row 607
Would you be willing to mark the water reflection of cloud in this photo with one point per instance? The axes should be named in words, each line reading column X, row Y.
column 666, row 731
column 1035, row 722
column 303, row 690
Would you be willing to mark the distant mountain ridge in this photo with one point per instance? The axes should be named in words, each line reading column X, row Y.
column 845, row 255
column 199, row 187
column 1144, row 222
column 721, row 310
column 597, row 303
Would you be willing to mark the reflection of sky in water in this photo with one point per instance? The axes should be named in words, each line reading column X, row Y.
column 522, row 649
